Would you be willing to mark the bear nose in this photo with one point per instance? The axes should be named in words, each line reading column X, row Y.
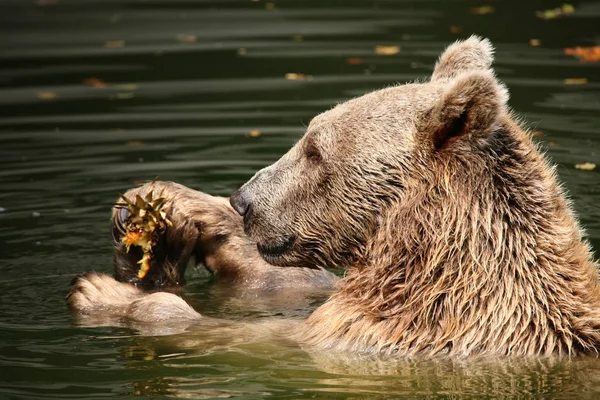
column 240, row 202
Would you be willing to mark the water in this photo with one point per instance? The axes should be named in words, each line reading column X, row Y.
column 98, row 95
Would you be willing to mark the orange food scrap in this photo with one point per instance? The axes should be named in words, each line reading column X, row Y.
column 144, row 265
column 537, row 133
column 455, row 29
column 294, row 76
column 483, row 10
column 185, row 38
column 585, row 54
column 587, row 166
column 355, row 61
column 386, row 50
column 131, row 238
column 254, row 133
column 47, row 95
column 575, row 81
column 95, row 82
column 534, row 42
column 114, row 44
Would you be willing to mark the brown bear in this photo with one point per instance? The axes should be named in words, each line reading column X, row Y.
column 454, row 230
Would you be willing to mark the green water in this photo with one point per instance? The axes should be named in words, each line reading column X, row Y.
column 179, row 100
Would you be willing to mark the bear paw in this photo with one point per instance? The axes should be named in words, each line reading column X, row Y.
column 100, row 293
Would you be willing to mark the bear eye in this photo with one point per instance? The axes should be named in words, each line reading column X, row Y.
column 313, row 154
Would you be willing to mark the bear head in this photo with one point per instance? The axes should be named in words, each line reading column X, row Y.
column 321, row 202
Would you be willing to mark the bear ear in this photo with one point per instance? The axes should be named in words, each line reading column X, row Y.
column 471, row 104
column 474, row 53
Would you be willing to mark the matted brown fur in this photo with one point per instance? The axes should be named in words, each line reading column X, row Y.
column 490, row 263
column 456, row 233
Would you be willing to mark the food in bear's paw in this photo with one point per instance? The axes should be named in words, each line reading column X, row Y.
column 146, row 221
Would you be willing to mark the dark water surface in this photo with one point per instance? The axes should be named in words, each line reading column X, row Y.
column 98, row 95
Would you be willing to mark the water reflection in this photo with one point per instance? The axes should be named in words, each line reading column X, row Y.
column 96, row 95
column 340, row 374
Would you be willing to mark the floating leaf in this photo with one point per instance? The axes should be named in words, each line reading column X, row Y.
column 387, row 50
column 455, row 29
column 483, row 10
column 47, row 95
column 587, row 166
column 114, row 44
column 534, row 42
column 298, row 38
column 269, row 5
column 242, row 51
column 537, row 133
column 95, row 82
column 254, row 133
column 355, row 61
column 575, row 81
column 585, row 54
column 294, row 76
column 553, row 13
column 186, row 38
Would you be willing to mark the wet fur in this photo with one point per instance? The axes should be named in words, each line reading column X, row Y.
column 457, row 236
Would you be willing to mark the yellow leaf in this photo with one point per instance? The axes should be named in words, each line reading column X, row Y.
column 254, row 133
column 575, row 81
column 482, row 10
column 387, row 50
column 567, row 8
column 534, row 42
column 294, row 76
column 587, row 166
column 47, row 95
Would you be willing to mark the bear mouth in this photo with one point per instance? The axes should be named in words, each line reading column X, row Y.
column 273, row 251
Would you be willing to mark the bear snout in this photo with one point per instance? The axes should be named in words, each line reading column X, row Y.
column 241, row 202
